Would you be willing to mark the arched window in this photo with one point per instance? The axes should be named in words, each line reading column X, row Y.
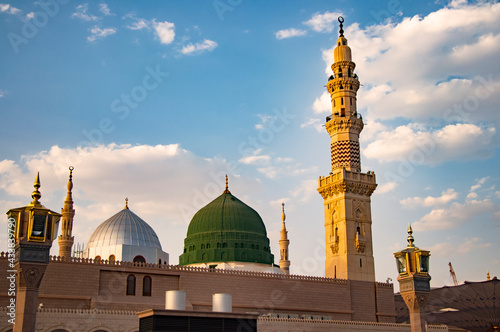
column 224, row 245
column 202, row 246
column 358, row 230
column 97, row 259
column 223, row 256
column 252, row 246
column 139, row 259
column 159, row 261
column 208, row 245
column 242, row 245
column 111, row 258
column 236, row 245
column 341, row 101
column 146, row 286
column 340, row 72
column 131, row 285
column 257, row 247
column 349, row 72
column 204, row 257
column 218, row 245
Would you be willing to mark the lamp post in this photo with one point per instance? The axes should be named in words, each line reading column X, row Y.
column 414, row 281
column 35, row 228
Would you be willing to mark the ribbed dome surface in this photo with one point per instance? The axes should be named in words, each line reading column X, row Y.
column 226, row 213
column 226, row 230
column 127, row 228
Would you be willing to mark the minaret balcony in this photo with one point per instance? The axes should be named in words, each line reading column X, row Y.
column 342, row 115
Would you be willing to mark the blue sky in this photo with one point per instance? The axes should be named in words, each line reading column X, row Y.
column 157, row 101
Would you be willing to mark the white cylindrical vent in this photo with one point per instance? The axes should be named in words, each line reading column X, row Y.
column 175, row 300
column 222, row 302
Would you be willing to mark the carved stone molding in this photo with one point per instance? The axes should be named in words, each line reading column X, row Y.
column 30, row 275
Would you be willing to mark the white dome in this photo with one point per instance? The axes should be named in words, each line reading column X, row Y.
column 125, row 237
column 127, row 228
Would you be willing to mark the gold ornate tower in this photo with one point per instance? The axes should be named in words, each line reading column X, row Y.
column 284, row 242
column 66, row 239
column 346, row 191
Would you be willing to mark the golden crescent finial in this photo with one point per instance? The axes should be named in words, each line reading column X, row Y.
column 126, row 203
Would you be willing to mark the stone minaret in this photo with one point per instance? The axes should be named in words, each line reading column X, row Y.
column 66, row 239
column 284, row 242
column 346, row 191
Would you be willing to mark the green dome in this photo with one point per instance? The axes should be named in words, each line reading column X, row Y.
column 226, row 230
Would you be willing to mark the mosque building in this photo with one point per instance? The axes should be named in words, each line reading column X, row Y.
column 124, row 270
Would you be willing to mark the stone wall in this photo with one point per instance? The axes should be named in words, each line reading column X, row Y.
column 268, row 324
column 84, row 284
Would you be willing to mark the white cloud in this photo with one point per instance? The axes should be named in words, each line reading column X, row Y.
column 479, row 183
column 272, row 172
column 454, row 216
column 315, row 123
column 447, row 249
column 98, row 33
column 81, row 13
column 323, row 104
column 139, row 24
column 104, row 175
column 255, row 160
column 165, row 31
column 30, row 15
column 323, row 22
column 103, row 8
column 289, row 33
column 386, row 187
column 422, row 146
column 6, row 8
column 2, row 93
column 446, row 197
column 206, row 45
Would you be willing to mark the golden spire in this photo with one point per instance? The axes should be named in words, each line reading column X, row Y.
column 283, row 215
column 226, row 191
column 126, row 203
column 488, row 275
column 36, row 194
column 70, row 184
column 410, row 236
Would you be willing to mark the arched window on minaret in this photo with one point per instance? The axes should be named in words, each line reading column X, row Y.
column 340, row 71
column 342, row 101
column 349, row 72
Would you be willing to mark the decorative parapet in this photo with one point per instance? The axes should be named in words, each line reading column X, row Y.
column 105, row 263
column 344, row 322
column 346, row 181
column 81, row 311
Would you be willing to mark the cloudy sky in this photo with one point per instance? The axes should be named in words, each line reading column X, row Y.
column 156, row 102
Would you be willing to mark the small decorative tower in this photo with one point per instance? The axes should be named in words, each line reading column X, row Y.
column 414, row 281
column 32, row 228
column 66, row 239
column 346, row 191
column 284, row 242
